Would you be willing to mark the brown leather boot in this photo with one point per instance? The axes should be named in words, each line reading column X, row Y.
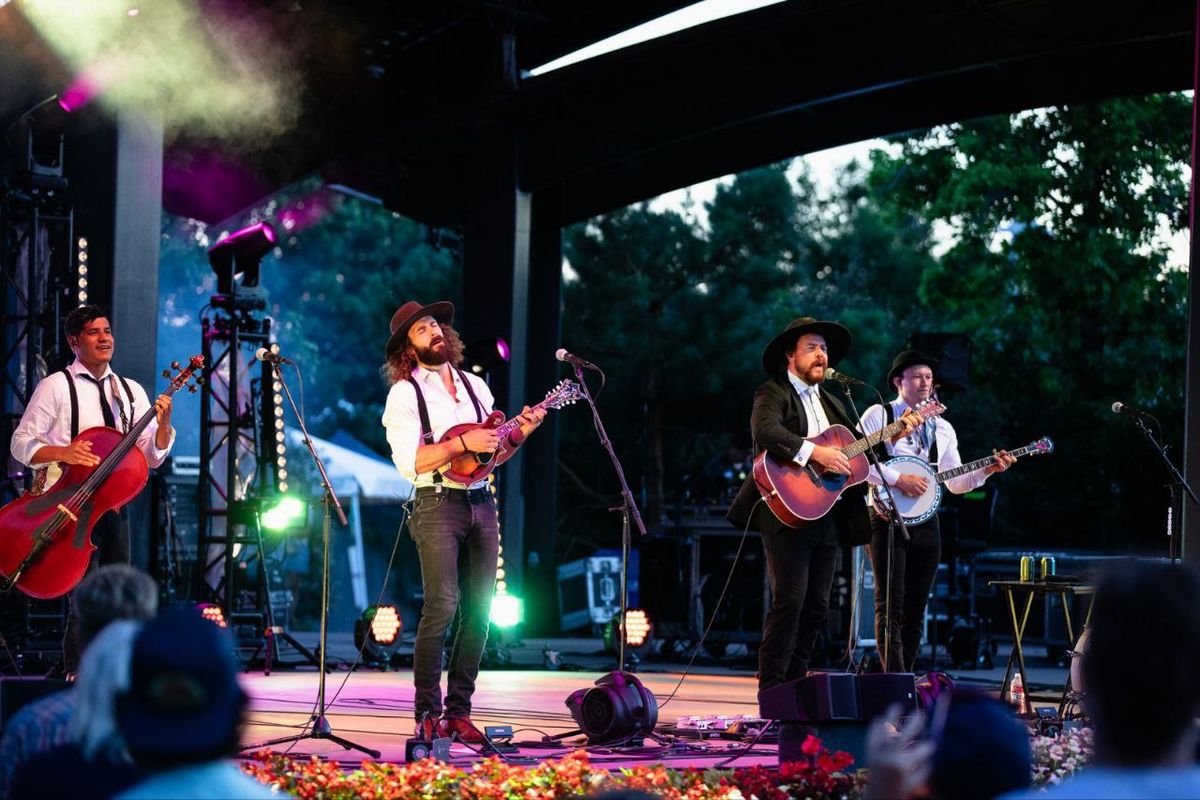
column 464, row 729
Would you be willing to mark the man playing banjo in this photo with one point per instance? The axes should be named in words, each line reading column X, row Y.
column 915, row 560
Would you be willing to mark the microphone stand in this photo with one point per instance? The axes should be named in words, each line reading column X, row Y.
column 893, row 520
column 628, row 509
column 1177, row 482
column 320, row 728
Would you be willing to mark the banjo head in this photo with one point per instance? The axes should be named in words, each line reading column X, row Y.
column 916, row 510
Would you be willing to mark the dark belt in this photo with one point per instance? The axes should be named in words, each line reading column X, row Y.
column 470, row 495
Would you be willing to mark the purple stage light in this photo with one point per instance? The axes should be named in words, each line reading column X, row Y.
column 77, row 95
column 502, row 349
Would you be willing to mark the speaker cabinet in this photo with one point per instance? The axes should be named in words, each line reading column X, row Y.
column 877, row 691
column 820, row 697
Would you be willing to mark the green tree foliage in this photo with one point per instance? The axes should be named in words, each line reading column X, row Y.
column 1059, row 272
column 1050, row 254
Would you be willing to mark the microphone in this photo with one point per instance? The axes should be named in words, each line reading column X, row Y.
column 562, row 355
column 841, row 377
column 1120, row 408
column 263, row 354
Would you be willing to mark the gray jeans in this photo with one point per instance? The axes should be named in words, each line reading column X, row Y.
column 458, row 537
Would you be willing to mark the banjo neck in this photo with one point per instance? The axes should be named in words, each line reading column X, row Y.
column 983, row 463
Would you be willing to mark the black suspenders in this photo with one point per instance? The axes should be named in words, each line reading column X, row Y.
column 423, row 411
column 128, row 393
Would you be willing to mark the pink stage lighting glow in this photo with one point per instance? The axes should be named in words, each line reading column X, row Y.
column 77, row 95
column 502, row 349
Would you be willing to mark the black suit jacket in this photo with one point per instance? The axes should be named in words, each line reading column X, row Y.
column 779, row 426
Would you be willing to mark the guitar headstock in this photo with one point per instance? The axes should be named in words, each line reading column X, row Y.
column 185, row 375
column 565, row 393
column 1042, row 447
column 929, row 408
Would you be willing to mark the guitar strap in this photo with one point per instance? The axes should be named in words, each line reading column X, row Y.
column 933, row 448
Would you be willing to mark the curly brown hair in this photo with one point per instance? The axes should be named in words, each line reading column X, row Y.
column 402, row 362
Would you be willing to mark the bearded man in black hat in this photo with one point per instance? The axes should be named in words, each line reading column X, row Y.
column 789, row 407
column 914, row 561
column 455, row 527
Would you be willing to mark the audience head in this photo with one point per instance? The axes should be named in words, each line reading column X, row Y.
column 103, row 676
column 1144, row 710
column 184, row 704
column 113, row 592
column 982, row 750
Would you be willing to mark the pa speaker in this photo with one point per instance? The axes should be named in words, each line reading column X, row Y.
column 618, row 707
column 820, row 697
column 877, row 691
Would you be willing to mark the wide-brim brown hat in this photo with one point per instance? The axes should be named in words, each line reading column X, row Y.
column 910, row 358
column 409, row 313
column 837, row 340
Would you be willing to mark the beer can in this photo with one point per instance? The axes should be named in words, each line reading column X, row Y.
column 1026, row 568
column 1047, row 565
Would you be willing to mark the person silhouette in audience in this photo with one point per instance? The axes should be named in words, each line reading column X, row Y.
column 108, row 594
column 182, row 714
column 1141, row 683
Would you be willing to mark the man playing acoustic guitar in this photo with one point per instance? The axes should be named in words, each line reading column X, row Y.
column 85, row 395
column 915, row 561
column 789, row 407
column 455, row 526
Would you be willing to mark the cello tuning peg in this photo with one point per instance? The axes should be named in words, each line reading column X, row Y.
column 166, row 373
column 199, row 380
column 174, row 365
column 192, row 388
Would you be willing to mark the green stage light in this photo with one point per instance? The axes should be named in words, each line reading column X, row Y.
column 507, row 610
column 284, row 513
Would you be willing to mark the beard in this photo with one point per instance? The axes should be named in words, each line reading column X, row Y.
column 435, row 355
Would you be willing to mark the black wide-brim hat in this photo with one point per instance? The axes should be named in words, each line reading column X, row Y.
column 910, row 358
column 409, row 313
column 837, row 340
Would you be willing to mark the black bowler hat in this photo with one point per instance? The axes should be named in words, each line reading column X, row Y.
column 910, row 358
column 837, row 339
column 409, row 313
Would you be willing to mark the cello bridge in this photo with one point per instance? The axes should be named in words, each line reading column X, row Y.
column 68, row 512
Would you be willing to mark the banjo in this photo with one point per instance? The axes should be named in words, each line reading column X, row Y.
column 916, row 510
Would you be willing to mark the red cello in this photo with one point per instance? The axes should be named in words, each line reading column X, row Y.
column 46, row 539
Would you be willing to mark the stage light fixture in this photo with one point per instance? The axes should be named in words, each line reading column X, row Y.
column 37, row 137
column 508, row 610
column 81, row 268
column 241, row 253
column 486, row 354
column 617, row 709
column 377, row 633
column 284, row 512
column 212, row 613
column 639, row 632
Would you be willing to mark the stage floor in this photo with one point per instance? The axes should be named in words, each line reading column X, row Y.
column 374, row 709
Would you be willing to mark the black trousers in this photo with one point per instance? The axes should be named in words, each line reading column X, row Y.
column 110, row 534
column 800, row 568
column 914, row 569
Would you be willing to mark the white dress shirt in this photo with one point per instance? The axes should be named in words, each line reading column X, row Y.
column 919, row 445
column 47, row 418
column 810, row 400
column 402, row 420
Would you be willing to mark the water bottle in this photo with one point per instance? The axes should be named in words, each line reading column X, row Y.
column 1016, row 694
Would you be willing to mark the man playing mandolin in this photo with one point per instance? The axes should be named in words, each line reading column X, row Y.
column 85, row 395
column 915, row 561
column 788, row 408
column 455, row 526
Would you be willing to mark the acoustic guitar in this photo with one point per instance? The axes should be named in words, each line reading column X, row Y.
column 795, row 493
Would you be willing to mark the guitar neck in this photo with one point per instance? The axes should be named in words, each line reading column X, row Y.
column 982, row 463
column 510, row 425
column 870, row 440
